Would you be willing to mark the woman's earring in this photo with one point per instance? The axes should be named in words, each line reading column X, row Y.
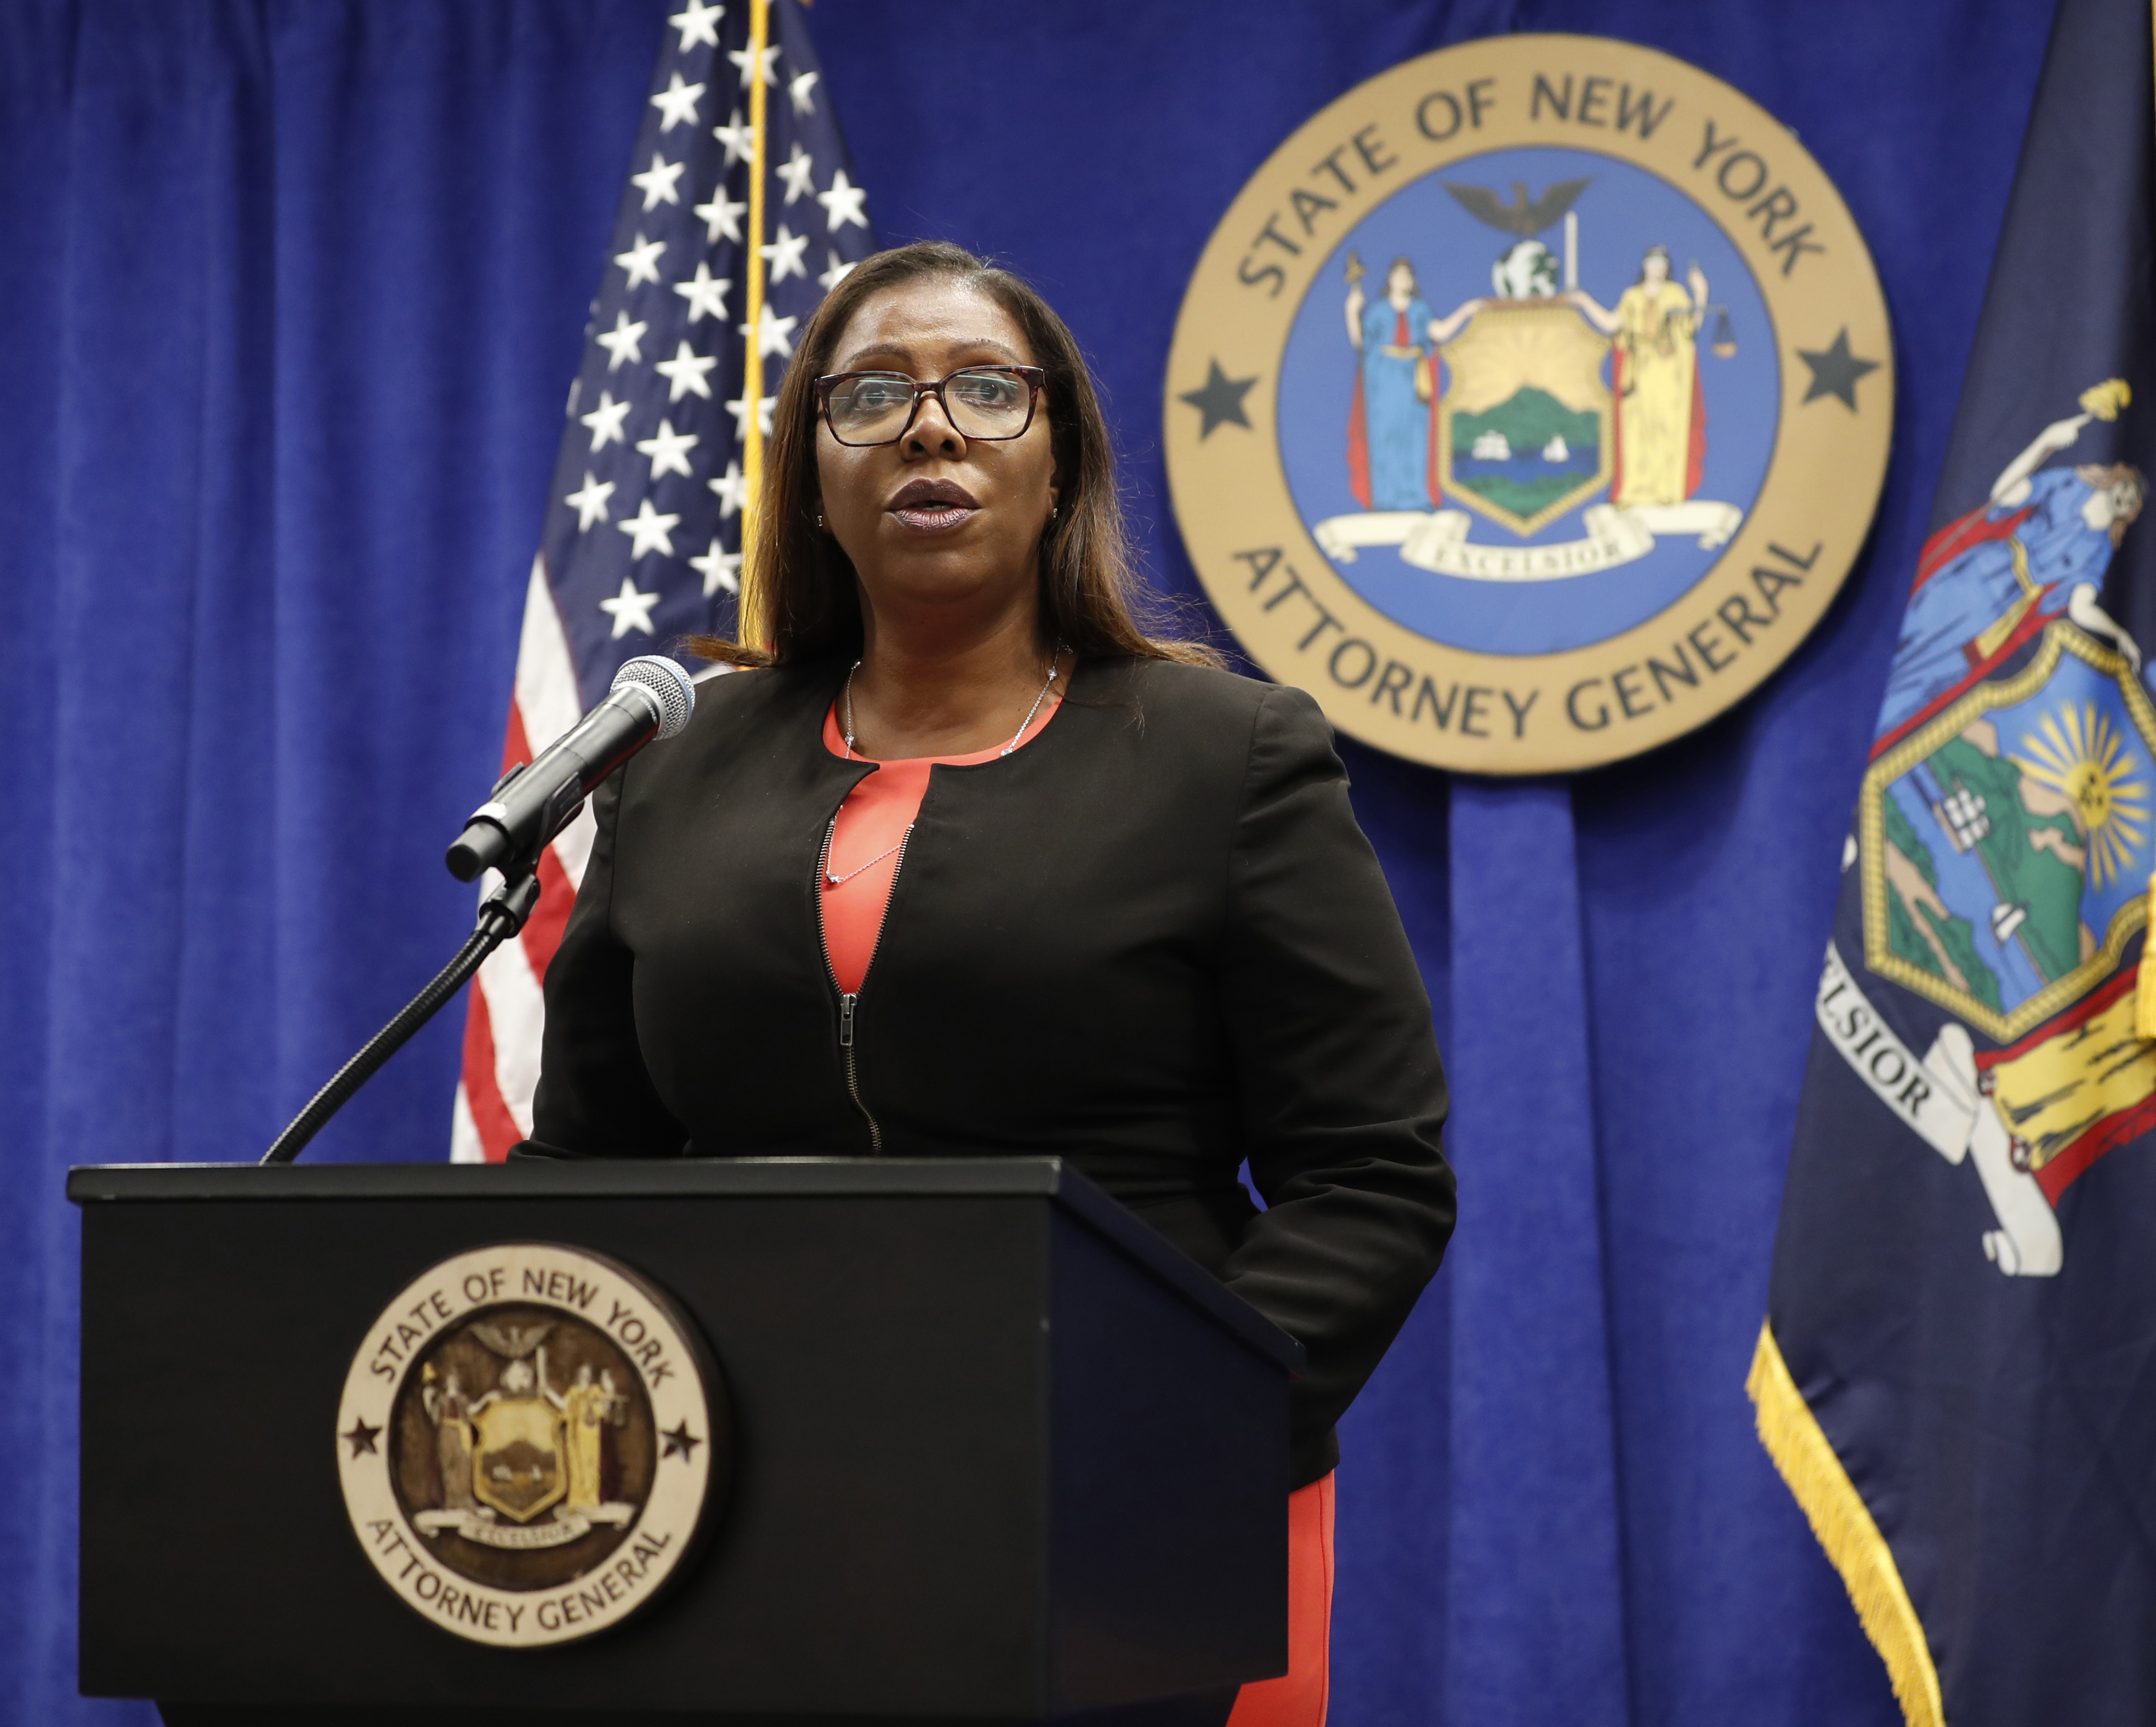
column 1051, row 513
column 819, row 521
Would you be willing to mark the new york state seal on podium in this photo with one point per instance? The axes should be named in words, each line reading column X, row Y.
column 529, row 1440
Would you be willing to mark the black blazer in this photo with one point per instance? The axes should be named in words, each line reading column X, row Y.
column 1153, row 941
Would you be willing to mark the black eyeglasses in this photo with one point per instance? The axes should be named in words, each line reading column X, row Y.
column 985, row 401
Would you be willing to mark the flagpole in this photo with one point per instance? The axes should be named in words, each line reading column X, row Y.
column 751, row 630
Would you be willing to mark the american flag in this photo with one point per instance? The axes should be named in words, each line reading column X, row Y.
column 643, row 535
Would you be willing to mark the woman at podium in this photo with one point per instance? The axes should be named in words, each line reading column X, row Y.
column 964, row 859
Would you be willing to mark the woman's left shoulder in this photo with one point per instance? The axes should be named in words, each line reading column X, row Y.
column 1203, row 712
column 1197, row 693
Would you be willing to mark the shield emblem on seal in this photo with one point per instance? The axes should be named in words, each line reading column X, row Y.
column 1525, row 428
column 519, row 1468
column 2007, row 842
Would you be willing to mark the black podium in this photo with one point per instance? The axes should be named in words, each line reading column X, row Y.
column 999, row 1453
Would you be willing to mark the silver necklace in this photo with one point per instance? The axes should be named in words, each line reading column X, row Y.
column 838, row 881
column 1046, row 685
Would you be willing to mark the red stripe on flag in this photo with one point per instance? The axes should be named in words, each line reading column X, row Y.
column 555, row 894
column 543, row 935
column 497, row 1128
column 516, row 749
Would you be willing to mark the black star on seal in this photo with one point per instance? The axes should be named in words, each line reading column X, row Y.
column 1220, row 401
column 1836, row 371
column 361, row 1437
column 679, row 1443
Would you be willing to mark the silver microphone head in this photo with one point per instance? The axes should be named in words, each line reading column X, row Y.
column 668, row 684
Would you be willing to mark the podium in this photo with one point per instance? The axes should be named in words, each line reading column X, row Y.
column 982, row 1447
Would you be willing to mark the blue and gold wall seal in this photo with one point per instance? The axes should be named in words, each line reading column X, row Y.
column 1530, row 404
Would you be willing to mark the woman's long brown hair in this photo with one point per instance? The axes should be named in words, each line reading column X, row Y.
column 799, row 598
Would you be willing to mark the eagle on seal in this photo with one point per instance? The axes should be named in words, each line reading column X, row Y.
column 513, row 1341
column 1523, row 218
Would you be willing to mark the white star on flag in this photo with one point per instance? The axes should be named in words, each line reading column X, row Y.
column 641, row 260
column 843, row 202
column 677, row 104
column 658, row 181
column 699, row 24
column 739, row 138
column 706, row 297
column 772, row 333
column 590, row 503
column 838, row 271
column 783, row 254
column 630, row 609
column 686, row 372
column 624, row 341
column 731, row 490
column 799, row 88
column 648, row 531
column 744, row 57
column 720, row 218
column 605, row 421
column 720, row 569
column 669, row 451
column 798, row 172
column 739, row 408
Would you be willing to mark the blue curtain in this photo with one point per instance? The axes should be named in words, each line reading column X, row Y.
column 290, row 294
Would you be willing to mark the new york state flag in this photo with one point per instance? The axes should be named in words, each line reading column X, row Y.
column 1957, row 1374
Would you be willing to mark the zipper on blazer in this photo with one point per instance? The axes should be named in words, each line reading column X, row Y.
column 848, row 1001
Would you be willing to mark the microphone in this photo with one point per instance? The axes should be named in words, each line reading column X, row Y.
column 651, row 697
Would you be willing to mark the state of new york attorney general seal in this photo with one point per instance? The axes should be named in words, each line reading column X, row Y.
column 1529, row 405
column 529, row 1439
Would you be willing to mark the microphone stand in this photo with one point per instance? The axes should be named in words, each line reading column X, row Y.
column 510, row 836
column 502, row 914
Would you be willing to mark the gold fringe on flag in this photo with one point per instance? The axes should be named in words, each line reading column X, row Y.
column 1843, row 1524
